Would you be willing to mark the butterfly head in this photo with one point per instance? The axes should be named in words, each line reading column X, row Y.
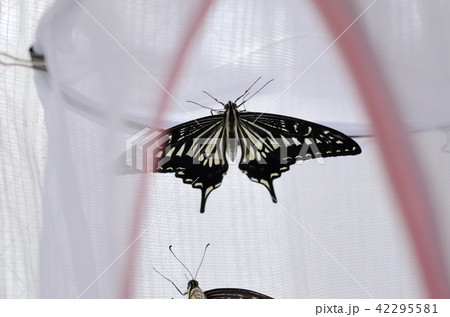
column 192, row 284
column 230, row 105
column 194, row 291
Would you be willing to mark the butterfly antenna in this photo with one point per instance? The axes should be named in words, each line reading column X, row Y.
column 196, row 103
column 214, row 98
column 245, row 100
column 203, row 257
column 245, row 92
column 170, row 248
column 169, row 281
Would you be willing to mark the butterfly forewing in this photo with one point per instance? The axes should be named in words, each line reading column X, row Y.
column 271, row 143
column 195, row 152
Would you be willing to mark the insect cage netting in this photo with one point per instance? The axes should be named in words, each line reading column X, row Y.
column 339, row 229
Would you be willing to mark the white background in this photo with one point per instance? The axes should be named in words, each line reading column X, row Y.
column 336, row 231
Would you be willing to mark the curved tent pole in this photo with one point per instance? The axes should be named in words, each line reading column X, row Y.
column 177, row 65
column 403, row 169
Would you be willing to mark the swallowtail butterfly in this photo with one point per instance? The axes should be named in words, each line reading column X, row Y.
column 196, row 150
column 195, row 292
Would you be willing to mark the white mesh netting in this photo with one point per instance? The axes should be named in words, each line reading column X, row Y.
column 336, row 231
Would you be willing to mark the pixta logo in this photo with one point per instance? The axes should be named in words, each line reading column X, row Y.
column 141, row 148
column 149, row 150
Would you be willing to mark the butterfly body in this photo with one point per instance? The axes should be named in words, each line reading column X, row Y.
column 231, row 121
column 197, row 151
column 194, row 291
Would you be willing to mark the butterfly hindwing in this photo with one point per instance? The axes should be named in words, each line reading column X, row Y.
column 271, row 143
column 195, row 152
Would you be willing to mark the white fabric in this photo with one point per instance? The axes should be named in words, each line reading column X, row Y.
column 22, row 154
column 336, row 231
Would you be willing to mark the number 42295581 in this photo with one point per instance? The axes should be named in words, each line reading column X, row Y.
column 407, row 308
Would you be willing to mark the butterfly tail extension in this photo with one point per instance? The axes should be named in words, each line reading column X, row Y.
column 214, row 181
column 257, row 174
column 272, row 191
column 203, row 202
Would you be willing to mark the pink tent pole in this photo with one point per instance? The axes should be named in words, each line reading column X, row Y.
column 193, row 29
column 400, row 162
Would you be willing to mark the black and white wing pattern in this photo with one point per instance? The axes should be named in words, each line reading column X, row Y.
column 234, row 293
column 195, row 152
column 271, row 143
column 195, row 292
